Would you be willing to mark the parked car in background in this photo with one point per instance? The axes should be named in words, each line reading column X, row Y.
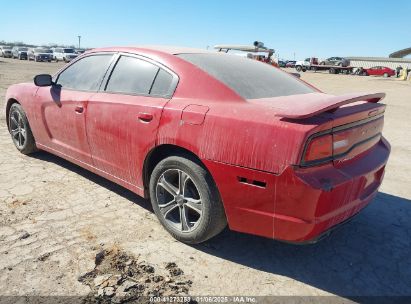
column 290, row 64
column 19, row 52
column 5, row 51
column 64, row 54
column 281, row 63
column 284, row 160
column 379, row 71
column 340, row 61
column 40, row 54
column 303, row 65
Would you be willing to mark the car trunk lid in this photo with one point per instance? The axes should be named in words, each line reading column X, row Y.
column 353, row 123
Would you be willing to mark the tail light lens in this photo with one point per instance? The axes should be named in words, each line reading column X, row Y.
column 318, row 149
column 353, row 139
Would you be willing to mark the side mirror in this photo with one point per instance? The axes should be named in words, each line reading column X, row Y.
column 298, row 75
column 43, row 80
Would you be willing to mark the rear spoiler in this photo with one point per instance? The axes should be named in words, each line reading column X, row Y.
column 309, row 105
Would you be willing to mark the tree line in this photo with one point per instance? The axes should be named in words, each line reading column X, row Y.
column 21, row 43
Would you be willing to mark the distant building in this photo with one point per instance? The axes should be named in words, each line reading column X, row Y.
column 369, row 62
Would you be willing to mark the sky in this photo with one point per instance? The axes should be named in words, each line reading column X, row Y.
column 302, row 29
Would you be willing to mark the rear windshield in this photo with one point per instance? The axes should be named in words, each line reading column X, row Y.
column 23, row 49
column 251, row 79
column 69, row 51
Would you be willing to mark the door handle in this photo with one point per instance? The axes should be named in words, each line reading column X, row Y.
column 79, row 109
column 145, row 117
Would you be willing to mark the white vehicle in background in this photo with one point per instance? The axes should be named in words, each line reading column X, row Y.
column 304, row 65
column 5, row 51
column 64, row 54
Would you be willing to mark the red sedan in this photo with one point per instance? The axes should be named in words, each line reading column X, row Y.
column 379, row 71
column 210, row 139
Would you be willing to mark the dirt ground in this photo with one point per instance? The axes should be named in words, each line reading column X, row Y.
column 56, row 217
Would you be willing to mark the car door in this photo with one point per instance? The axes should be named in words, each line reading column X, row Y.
column 123, row 118
column 61, row 108
column 380, row 71
column 372, row 71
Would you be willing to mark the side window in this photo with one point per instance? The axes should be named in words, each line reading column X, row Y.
column 162, row 84
column 132, row 76
column 85, row 74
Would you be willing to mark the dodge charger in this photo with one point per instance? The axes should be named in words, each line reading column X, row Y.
column 211, row 139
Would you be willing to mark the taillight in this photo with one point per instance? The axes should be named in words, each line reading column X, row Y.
column 318, row 149
column 336, row 143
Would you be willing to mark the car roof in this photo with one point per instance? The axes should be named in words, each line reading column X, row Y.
column 171, row 50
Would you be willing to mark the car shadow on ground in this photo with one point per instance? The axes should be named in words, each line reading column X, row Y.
column 101, row 181
column 369, row 256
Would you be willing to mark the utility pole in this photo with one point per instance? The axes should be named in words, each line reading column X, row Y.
column 79, row 38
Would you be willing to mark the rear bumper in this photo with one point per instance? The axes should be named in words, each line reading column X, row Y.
column 300, row 204
column 42, row 58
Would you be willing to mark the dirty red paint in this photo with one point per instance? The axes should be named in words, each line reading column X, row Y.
column 254, row 149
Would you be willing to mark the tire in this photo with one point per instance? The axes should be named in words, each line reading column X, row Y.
column 386, row 75
column 18, row 122
column 340, row 64
column 332, row 71
column 206, row 217
column 364, row 74
column 298, row 68
column 322, row 63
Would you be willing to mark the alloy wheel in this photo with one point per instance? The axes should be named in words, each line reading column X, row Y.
column 179, row 200
column 17, row 129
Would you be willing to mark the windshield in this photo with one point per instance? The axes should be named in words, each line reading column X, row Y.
column 23, row 49
column 69, row 51
column 251, row 79
column 6, row 48
column 43, row 51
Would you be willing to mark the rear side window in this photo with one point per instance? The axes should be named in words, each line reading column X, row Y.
column 251, row 79
column 85, row 74
column 132, row 76
column 162, row 84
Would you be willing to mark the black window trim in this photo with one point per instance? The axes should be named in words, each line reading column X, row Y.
column 173, row 85
column 113, row 59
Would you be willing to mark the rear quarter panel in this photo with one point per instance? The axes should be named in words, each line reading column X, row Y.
column 237, row 133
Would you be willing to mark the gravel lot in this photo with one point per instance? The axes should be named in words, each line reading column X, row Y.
column 55, row 217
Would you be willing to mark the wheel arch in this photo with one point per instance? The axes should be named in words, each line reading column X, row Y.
column 160, row 152
column 10, row 102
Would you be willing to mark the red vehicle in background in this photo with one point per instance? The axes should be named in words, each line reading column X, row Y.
column 290, row 64
column 379, row 71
